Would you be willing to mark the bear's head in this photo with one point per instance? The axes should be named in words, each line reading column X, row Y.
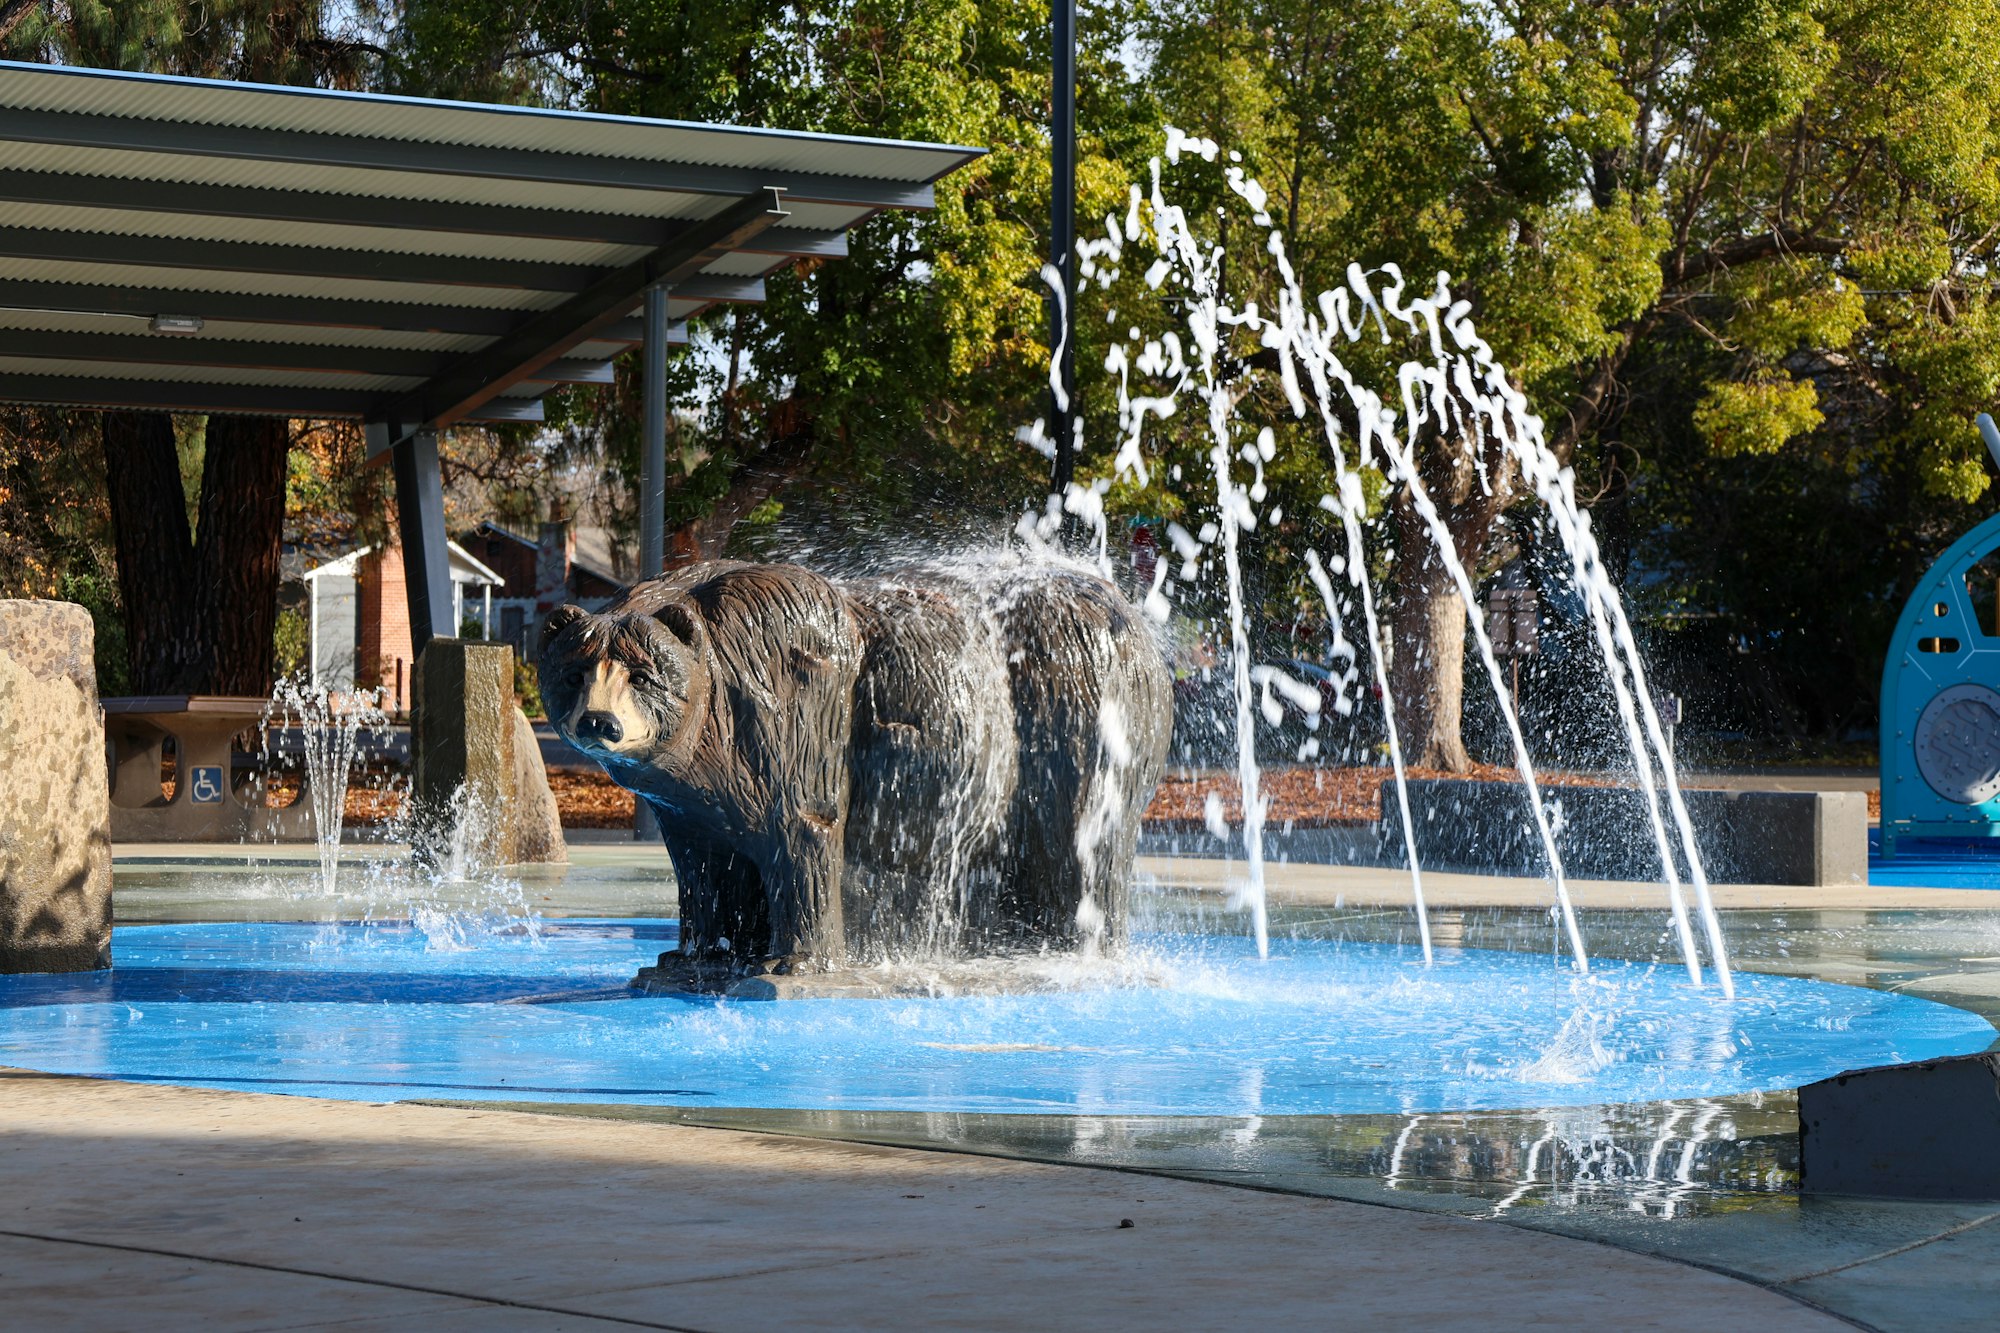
column 626, row 687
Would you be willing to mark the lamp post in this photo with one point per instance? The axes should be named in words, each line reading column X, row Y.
column 1062, row 245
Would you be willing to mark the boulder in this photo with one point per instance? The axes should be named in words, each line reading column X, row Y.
column 538, row 835
column 55, row 793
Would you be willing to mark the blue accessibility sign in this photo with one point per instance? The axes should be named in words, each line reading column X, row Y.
column 205, row 786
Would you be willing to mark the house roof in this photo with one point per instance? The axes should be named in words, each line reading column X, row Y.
column 464, row 568
column 393, row 259
column 596, row 551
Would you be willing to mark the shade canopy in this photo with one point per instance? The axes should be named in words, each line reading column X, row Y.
column 199, row 246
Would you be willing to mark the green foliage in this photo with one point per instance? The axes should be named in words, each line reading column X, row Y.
column 528, row 689
column 1782, row 308
column 1756, row 416
column 99, row 596
column 1727, row 247
column 291, row 640
column 1759, row 61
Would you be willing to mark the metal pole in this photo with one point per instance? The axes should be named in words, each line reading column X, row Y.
column 312, row 640
column 1062, row 244
column 653, row 484
column 426, row 558
column 653, row 446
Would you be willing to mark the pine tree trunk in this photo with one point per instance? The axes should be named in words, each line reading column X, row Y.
column 239, row 535
column 199, row 609
column 155, row 555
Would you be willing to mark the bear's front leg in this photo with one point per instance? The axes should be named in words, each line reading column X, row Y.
column 802, row 884
column 722, row 902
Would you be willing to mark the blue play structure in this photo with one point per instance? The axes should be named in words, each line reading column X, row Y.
column 1941, row 699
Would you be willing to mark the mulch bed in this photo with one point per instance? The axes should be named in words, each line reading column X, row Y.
column 1301, row 797
column 590, row 800
column 1310, row 797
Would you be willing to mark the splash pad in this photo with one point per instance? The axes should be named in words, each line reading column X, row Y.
column 1184, row 1024
column 538, row 1011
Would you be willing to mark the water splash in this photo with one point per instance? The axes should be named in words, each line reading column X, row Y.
column 332, row 728
column 1461, row 389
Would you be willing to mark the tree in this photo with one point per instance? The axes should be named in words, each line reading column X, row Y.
column 1808, row 186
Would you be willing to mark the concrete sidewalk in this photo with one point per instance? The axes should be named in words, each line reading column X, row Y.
column 125, row 1206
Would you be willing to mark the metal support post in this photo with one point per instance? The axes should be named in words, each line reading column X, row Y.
column 653, row 483
column 1062, row 245
column 653, row 450
column 426, row 555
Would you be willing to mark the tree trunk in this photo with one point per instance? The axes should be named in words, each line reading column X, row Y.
column 199, row 609
column 1427, row 620
column 142, row 473
column 1427, row 669
column 239, row 534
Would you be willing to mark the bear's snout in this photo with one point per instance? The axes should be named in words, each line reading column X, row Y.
column 598, row 726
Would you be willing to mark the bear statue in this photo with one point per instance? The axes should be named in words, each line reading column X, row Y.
column 919, row 764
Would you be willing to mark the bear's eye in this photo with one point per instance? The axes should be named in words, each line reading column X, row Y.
column 640, row 679
column 573, row 682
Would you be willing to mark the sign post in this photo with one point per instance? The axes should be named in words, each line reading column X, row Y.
column 1513, row 627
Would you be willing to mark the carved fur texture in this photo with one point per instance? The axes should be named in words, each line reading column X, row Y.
column 920, row 764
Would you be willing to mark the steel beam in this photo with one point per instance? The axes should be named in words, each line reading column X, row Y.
column 573, row 370
column 143, row 302
column 634, row 331
column 297, row 261
column 173, row 396
column 549, row 335
column 316, row 312
column 1062, row 245
column 653, row 438
column 129, row 134
column 803, row 244
column 719, row 287
column 349, row 210
column 222, row 353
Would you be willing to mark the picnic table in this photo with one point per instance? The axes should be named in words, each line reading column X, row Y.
column 208, row 802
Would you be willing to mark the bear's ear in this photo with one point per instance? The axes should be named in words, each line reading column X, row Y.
column 679, row 621
column 561, row 619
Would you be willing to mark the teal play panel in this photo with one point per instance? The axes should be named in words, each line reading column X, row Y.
column 1941, row 704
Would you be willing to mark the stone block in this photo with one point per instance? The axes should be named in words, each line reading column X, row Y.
column 481, row 795
column 1745, row 837
column 55, row 793
column 1928, row 1130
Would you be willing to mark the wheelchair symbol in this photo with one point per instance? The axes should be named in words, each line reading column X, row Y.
column 206, row 788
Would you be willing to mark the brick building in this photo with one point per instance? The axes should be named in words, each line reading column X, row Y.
column 502, row 582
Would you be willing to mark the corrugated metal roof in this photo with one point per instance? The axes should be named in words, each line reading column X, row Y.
column 418, row 120
column 476, row 240
column 221, row 280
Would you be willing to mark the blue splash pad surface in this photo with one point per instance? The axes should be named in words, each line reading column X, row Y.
column 379, row 1012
